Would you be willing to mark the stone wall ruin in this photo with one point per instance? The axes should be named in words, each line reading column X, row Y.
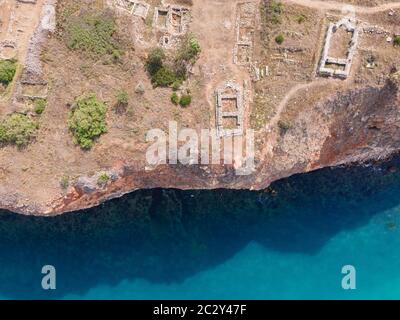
column 172, row 19
column 32, row 84
column 229, row 110
column 133, row 7
column 245, row 28
column 339, row 67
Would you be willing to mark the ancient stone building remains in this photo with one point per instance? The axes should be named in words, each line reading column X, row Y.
column 339, row 66
column 137, row 8
column 245, row 28
column 32, row 84
column 172, row 19
column 229, row 110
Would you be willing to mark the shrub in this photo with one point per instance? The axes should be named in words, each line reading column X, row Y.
column 185, row 100
column 40, row 105
column 186, row 56
column 189, row 50
column 8, row 68
column 164, row 77
column 155, row 61
column 17, row 129
column 301, row 18
column 175, row 98
column 64, row 182
column 396, row 41
column 279, row 39
column 174, row 72
column 87, row 120
column 103, row 179
column 94, row 34
column 122, row 98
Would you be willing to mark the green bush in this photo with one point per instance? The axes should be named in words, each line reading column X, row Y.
column 17, row 129
column 40, row 105
column 94, row 34
column 173, row 73
column 155, row 61
column 103, row 179
column 185, row 100
column 175, row 98
column 8, row 68
column 279, row 39
column 164, row 77
column 87, row 120
column 396, row 41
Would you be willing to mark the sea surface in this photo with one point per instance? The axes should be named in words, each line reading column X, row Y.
column 287, row 242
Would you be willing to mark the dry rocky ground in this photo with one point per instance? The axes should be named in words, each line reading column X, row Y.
column 303, row 121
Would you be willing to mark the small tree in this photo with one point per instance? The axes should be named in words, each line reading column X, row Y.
column 155, row 61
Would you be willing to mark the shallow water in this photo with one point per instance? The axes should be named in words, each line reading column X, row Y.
column 288, row 242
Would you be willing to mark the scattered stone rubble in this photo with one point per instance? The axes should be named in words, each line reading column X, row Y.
column 230, row 93
column 258, row 72
column 344, row 65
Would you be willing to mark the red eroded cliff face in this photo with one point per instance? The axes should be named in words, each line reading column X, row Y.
column 346, row 128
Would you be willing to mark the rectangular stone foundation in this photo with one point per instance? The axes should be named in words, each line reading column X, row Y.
column 335, row 66
column 229, row 110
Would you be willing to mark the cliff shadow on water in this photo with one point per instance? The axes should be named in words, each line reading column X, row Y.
column 168, row 235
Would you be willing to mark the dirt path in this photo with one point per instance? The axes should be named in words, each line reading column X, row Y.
column 334, row 5
column 292, row 92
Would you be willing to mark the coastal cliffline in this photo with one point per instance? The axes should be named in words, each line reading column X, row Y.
column 346, row 128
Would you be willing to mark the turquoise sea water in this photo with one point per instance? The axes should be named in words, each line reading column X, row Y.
column 289, row 242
